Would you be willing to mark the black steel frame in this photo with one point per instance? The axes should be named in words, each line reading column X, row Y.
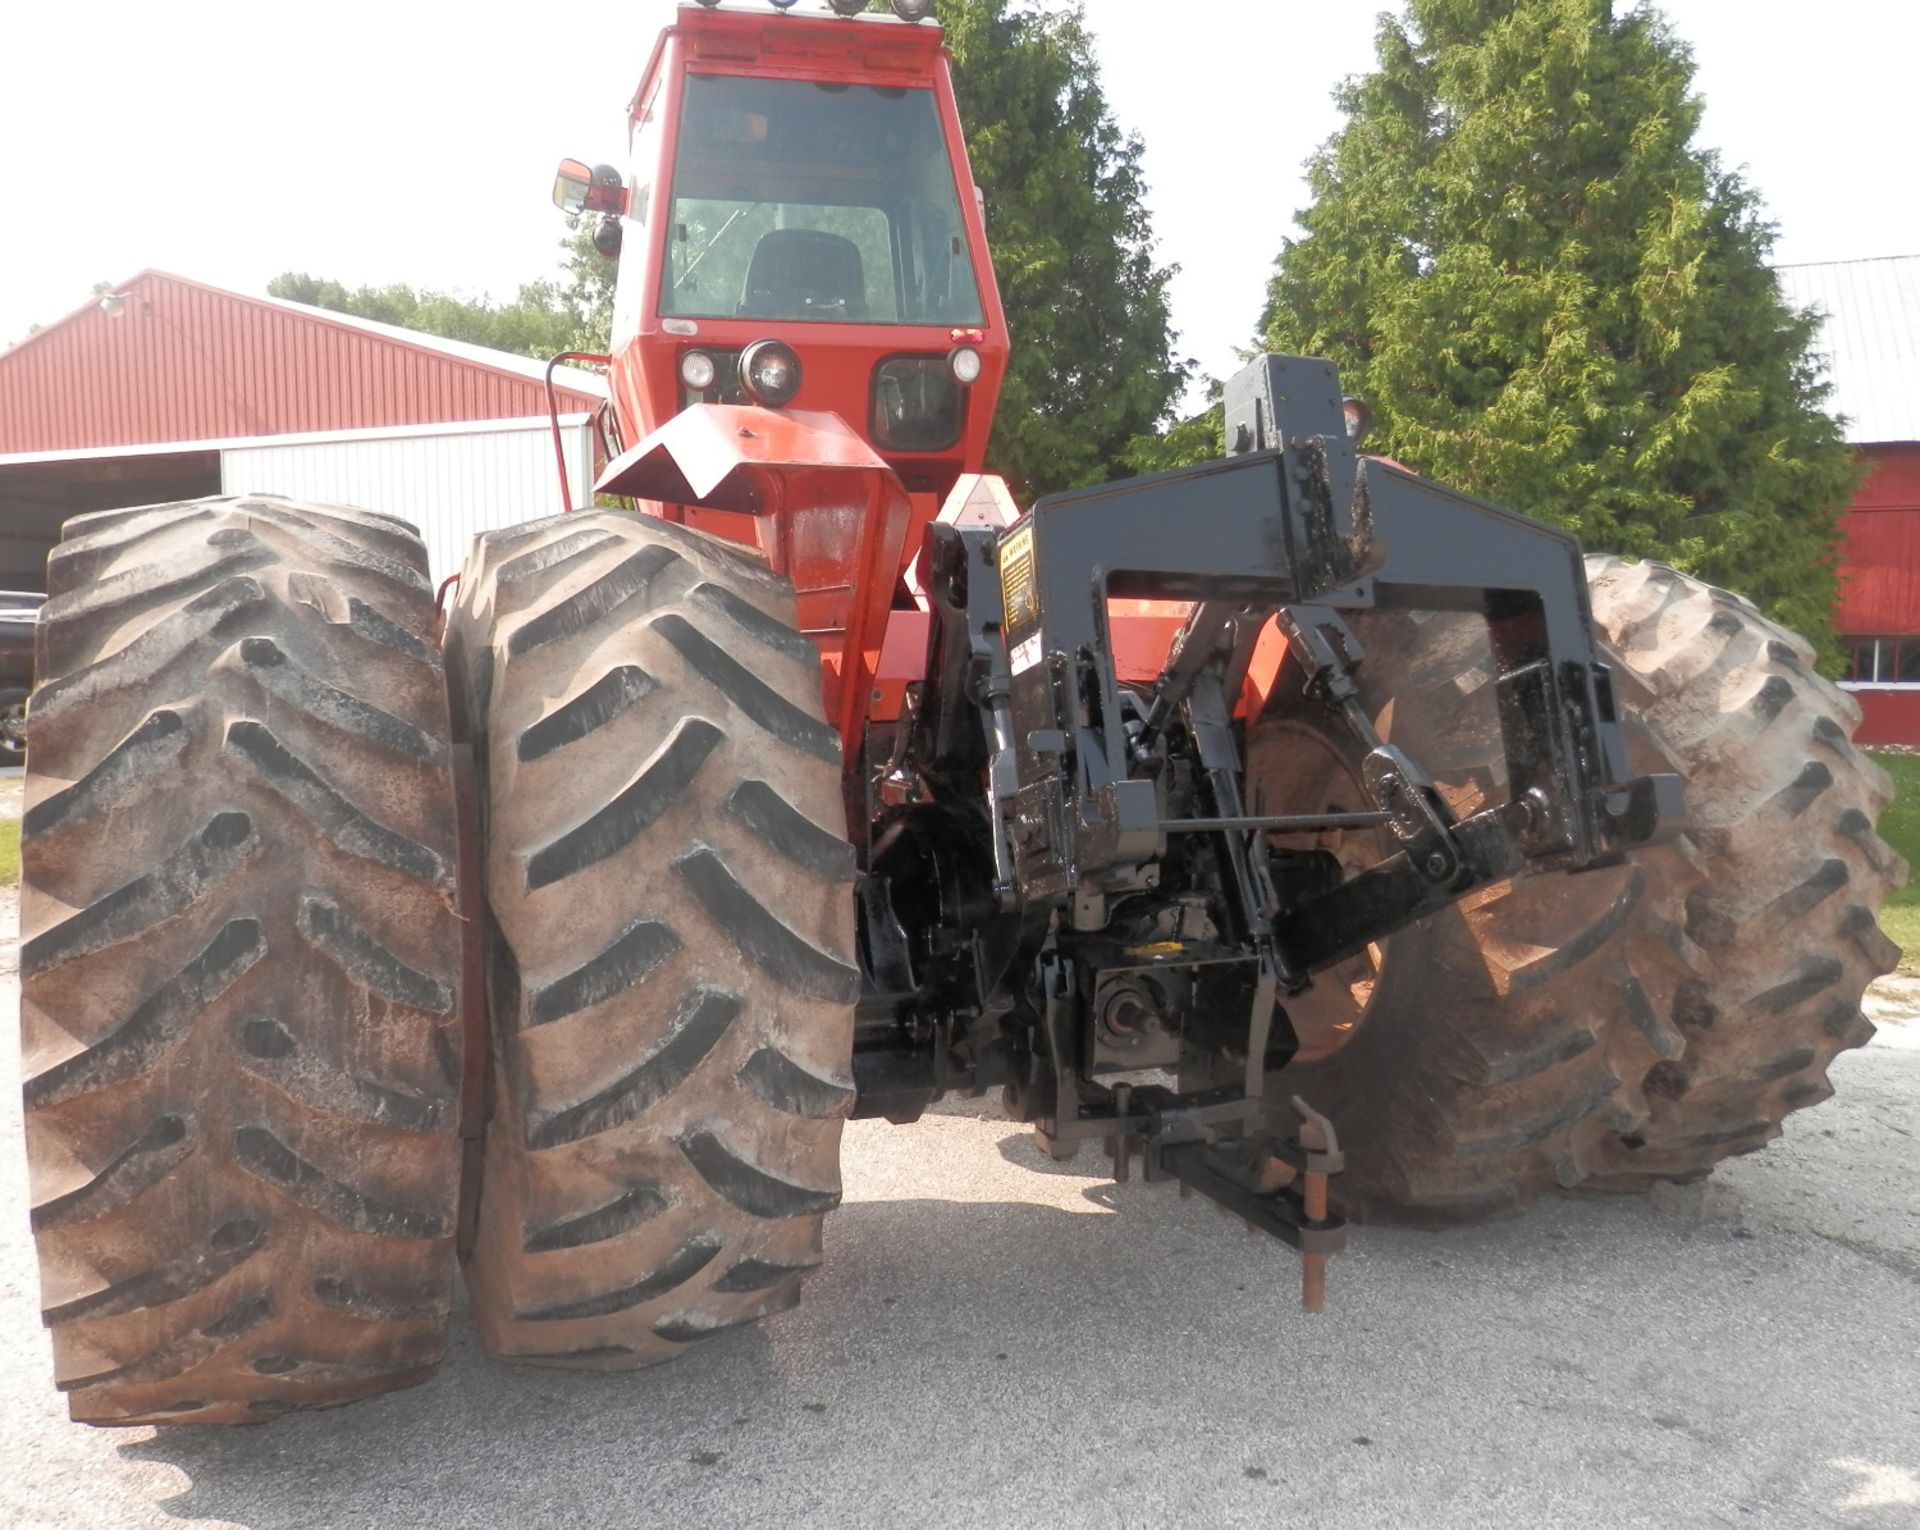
column 1039, row 903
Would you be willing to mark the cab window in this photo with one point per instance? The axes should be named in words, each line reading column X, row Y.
column 797, row 202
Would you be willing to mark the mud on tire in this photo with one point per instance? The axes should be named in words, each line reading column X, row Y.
column 1500, row 1042
column 671, row 971
column 237, row 1008
column 1631, row 1024
column 1781, row 924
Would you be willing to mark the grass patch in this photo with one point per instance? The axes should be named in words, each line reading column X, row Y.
column 9, row 852
column 1902, row 927
column 1900, row 827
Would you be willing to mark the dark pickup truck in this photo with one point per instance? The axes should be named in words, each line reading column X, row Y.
column 19, row 610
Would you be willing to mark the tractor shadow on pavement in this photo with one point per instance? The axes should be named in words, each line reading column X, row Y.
column 1125, row 1358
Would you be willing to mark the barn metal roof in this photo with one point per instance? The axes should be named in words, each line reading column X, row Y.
column 293, row 438
column 182, row 361
column 1871, row 338
column 577, row 378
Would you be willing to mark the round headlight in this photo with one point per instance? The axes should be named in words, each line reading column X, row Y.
column 770, row 372
column 697, row 371
column 965, row 365
column 847, row 7
column 913, row 10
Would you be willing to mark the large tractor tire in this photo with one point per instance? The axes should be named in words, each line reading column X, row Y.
column 1784, row 916
column 237, row 1006
column 671, row 963
column 1623, row 1026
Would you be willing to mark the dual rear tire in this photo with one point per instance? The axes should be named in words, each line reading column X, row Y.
column 241, row 992
column 1625, row 1026
column 671, row 975
column 241, row 1006
column 241, row 1045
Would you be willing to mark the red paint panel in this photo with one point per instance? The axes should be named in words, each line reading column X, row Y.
column 838, row 358
column 186, row 362
column 1893, row 478
column 1888, row 717
column 1880, row 548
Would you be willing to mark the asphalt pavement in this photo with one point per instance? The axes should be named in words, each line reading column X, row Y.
column 999, row 1341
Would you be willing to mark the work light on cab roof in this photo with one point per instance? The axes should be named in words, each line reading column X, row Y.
column 906, row 10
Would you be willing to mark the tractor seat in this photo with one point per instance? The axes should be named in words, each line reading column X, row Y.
column 797, row 272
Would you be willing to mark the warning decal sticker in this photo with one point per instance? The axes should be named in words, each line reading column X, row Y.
column 1019, row 592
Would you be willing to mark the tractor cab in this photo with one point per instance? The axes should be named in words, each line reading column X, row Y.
column 799, row 229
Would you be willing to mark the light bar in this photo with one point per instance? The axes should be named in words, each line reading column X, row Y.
column 906, row 10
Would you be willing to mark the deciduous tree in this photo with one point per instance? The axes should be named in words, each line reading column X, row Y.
column 571, row 312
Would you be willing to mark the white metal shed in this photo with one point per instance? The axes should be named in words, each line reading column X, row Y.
column 453, row 481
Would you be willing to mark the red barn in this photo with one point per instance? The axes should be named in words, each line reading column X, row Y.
column 166, row 388
column 1872, row 341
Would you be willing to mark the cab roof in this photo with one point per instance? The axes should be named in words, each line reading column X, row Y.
column 754, row 31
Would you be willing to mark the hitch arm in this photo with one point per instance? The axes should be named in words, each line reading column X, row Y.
column 1277, row 1188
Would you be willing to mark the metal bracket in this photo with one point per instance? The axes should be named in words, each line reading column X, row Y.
column 1274, row 1186
column 1277, row 1188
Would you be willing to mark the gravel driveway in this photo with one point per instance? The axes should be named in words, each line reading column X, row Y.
column 997, row 1342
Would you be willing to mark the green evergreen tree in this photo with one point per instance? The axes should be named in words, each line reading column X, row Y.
column 1197, row 438
column 1553, row 298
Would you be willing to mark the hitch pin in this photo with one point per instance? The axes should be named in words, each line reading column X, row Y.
column 1321, row 1146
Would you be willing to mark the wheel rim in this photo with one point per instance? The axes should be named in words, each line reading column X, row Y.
column 1298, row 769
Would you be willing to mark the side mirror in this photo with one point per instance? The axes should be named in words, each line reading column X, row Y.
column 579, row 188
column 571, row 184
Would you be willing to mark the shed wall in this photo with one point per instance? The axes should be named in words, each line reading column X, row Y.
column 452, row 486
column 1888, row 715
column 1880, row 549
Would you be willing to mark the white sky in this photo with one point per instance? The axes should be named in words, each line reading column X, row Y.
column 412, row 141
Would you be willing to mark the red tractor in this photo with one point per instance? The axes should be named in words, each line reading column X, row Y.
column 1298, row 829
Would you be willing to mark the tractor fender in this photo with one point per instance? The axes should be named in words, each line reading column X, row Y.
column 730, row 457
column 830, row 515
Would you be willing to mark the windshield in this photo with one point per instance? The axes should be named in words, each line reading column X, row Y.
column 802, row 201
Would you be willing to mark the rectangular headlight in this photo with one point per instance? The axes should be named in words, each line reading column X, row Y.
column 917, row 406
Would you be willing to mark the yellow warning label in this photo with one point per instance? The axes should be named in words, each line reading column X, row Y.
column 1019, row 591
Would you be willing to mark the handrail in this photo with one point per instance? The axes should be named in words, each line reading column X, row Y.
column 553, row 418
